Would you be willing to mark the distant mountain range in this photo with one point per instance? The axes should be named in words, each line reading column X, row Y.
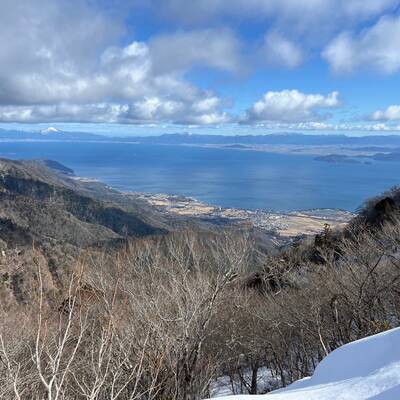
column 50, row 133
column 54, row 134
column 273, row 139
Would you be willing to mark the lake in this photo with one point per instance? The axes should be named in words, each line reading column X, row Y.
column 223, row 177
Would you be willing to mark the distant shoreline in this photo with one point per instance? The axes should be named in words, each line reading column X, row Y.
column 250, row 181
column 285, row 225
column 325, row 153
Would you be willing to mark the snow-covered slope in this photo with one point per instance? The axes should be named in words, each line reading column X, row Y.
column 366, row 369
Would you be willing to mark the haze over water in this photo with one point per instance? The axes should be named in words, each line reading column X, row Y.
column 227, row 178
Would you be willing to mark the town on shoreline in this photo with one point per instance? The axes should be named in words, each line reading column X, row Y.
column 287, row 225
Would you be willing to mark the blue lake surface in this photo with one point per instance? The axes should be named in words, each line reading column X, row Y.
column 223, row 177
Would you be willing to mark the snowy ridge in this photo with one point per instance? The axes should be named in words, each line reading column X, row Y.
column 365, row 369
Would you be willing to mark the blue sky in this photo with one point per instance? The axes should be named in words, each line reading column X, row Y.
column 131, row 67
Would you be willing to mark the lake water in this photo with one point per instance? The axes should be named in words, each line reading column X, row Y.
column 223, row 177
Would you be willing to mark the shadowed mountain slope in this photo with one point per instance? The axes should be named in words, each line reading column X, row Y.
column 39, row 204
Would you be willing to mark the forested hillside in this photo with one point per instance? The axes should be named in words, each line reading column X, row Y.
column 179, row 314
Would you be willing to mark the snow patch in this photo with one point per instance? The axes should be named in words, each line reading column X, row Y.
column 365, row 369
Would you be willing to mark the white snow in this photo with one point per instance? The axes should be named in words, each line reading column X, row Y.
column 50, row 129
column 224, row 386
column 366, row 369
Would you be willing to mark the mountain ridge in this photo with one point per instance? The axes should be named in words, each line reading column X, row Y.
column 187, row 138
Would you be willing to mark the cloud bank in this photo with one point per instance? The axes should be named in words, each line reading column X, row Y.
column 392, row 113
column 291, row 106
column 84, row 61
column 53, row 71
column 375, row 48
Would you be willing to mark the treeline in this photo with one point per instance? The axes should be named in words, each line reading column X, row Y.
column 169, row 315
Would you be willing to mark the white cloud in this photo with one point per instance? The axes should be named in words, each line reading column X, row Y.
column 63, row 61
column 374, row 48
column 366, row 8
column 325, row 127
column 199, row 10
column 317, row 18
column 217, row 48
column 55, row 71
column 392, row 113
column 313, row 23
column 279, row 51
column 147, row 110
column 204, row 111
column 290, row 106
column 42, row 52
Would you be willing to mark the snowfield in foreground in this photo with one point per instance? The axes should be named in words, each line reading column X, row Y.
column 366, row 369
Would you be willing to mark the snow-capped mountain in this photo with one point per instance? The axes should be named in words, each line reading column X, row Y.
column 50, row 129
